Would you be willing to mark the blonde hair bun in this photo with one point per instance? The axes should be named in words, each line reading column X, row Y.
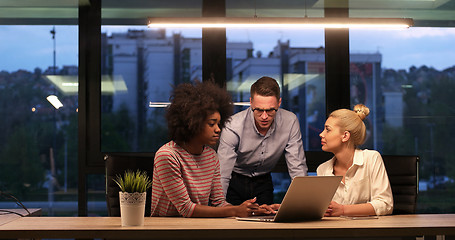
column 362, row 111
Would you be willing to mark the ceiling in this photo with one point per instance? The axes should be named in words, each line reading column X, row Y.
column 434, row 13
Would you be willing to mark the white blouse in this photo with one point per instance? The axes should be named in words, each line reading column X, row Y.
column 366, row 181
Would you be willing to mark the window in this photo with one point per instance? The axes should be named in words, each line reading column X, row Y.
column 295, row 61
column 38, row 142
column 140, row 67
column 295, row 58
column 406, row 78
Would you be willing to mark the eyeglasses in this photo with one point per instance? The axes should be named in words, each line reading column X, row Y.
column 259, row 111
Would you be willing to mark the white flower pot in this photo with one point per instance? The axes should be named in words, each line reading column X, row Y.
column 132, row 208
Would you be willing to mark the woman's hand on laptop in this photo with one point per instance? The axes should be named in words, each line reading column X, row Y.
column 269, row 209
column 253, row 209
column 248, row 208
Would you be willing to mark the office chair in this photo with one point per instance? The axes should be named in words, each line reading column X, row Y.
column 117, row 164
column 403, row 172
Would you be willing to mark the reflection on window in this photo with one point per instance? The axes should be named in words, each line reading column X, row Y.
column 407, row 78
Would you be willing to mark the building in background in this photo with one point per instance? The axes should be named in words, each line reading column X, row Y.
column 149, row 63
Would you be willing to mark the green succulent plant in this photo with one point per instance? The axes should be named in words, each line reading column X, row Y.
column 132, row 182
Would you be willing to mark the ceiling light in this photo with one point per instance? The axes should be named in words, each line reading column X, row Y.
column 158, row 104
column 54, row 101
column 279, row 22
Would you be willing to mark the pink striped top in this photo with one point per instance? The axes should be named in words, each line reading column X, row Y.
column 182, row 180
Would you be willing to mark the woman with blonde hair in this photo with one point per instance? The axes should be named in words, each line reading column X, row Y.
column 365, row 187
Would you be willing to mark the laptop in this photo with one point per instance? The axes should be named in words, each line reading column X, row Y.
column 307, row 198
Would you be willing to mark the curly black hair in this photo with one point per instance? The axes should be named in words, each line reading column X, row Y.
column 190, row 106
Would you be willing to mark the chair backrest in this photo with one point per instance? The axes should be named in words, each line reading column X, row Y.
column 403, row 172
column 313, row 159
column 316, row 158
column 117, row 164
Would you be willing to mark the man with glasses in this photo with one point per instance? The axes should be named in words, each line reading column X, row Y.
column 254, row 140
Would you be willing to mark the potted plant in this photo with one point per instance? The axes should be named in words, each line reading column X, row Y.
column 133, row 193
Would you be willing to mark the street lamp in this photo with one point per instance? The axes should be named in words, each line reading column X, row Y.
column 57, row 104
column 53, row 39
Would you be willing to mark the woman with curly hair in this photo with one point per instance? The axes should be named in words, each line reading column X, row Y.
column 365, row 187
column 186, row 175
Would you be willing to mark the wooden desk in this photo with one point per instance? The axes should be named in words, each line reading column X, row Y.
column 227, row 228
column 8, row 217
